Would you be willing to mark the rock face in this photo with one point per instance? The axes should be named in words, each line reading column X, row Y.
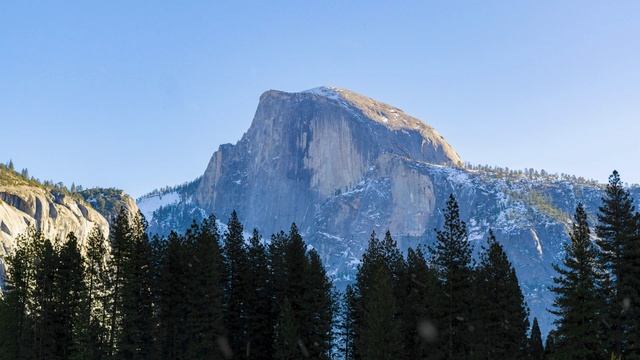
column 25, row 206
column 55, row 213
column 303, row 148
column 341, row 165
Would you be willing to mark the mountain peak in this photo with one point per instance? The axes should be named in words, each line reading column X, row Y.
column 364, row 107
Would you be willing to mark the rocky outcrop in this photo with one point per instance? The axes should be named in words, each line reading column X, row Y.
column 55, row 213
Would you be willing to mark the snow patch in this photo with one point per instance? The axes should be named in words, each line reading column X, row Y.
column 328, row 92
column 534, row 235
column 333, row 237
column 149, row 204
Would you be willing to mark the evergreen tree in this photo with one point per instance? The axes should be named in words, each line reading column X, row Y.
column 550, row 345
column 394, row 260
column 16, row 322
column 378, row 328
column 235, row 255
column 619, row 241
column 296, row 269
column 501, row 314
column 286, row 341
column 71, row 305
column 259, row 319
column 316, row 324
column 278, row 272
column 536, row 349
column 451, row 257
column 171, row 299
column 94, row 343
column 136, row 340
column 121, row 239
column 578, row 304
column 44, row 302
column 422, row 290
column 346, row 324
column 205, row 318
column 380, row 334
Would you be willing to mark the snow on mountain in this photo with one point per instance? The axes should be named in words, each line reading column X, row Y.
column 152, row 202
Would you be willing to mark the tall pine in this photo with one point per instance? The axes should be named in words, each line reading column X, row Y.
column 259, row 305
column 94, row 342
column 578, row 304
column 16, row 321
column 70, row 297
column 501, row 315
column 619, row 241
column 171, row 299
column 235, row 256
column 122, row 243
column 378, row 326
column 205, row 320
column 287, row 340
column 136, row 337
column 346, row 326
column 422, row 292
column 451, row 256
column 536, row 348
column 317, row 319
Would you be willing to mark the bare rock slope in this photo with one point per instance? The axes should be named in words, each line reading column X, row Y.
column 25, row 203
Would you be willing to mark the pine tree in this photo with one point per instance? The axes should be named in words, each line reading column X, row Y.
column 378, row 327
column 296, row 265
column 259, row 306
column 420, row 334
column 394, row 260
column 235, row 255
column 121, row 239
column 16, row 322
column 501, row 316
column 43, row 301
column 451, row 257
column 136, row 341
column 317, row 320
column 380, row 336
column 171, row 299
column 619, row 242
column 536, row 349
column 205, row 318
column 278, row 273
column 94, row 344
column 286, row 342
column 577, row 302
column 70, row 299
column 346, row 324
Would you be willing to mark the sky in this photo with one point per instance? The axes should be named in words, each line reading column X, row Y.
column 138, row 95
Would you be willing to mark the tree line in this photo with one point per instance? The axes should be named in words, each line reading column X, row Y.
column 197, row 295
column 203, row 294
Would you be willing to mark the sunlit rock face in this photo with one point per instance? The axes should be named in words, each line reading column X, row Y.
column 54, row 213
column 342, row 165
column 24, row 206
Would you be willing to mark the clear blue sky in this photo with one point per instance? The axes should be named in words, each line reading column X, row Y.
column 138, row 95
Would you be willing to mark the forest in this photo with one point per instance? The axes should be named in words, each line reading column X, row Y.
column 213, row 294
